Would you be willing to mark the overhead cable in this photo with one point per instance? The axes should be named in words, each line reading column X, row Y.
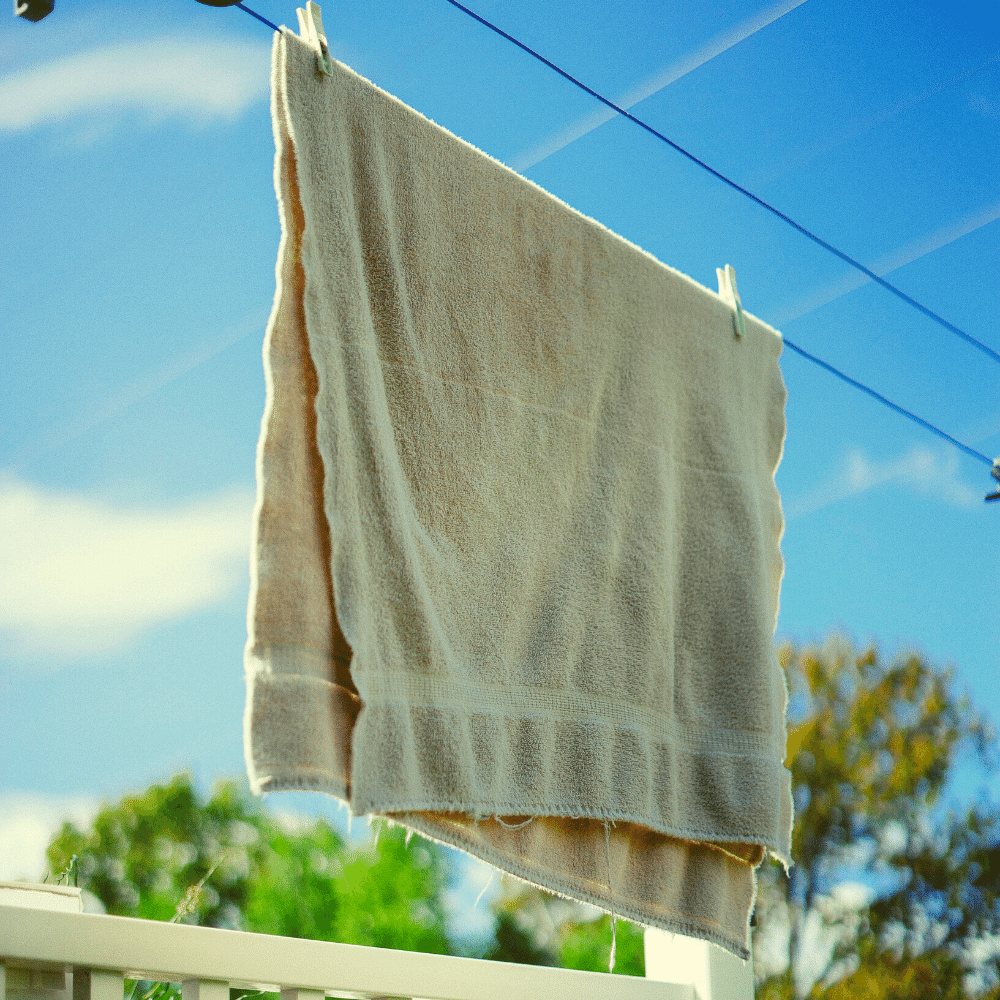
column 888, row 402
column 868, row 272
column 972, row 452
column 253, row 13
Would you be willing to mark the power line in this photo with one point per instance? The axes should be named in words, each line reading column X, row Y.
column 811, row 357
column 888, row 402
column 253, row 13
column 888, row 285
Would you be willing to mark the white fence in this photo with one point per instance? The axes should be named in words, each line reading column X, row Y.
column 57, row 954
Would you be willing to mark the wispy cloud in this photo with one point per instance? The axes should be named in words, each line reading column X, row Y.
column 194, row 79
column 898, row 258
column 925, row 470
column 27, row 824
column 983, row 104
column 687, row 64
column 113, row 402
column 79, row 577
column 795, row 159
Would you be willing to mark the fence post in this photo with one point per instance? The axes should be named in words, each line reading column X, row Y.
column 302, row 995
column 204, row 989
column 714, row 973
column 97, row 984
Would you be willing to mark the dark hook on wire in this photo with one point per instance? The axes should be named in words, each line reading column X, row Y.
column 35, row 10
column 995, row 472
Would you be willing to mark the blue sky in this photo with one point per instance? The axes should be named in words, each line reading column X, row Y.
column 140, row 236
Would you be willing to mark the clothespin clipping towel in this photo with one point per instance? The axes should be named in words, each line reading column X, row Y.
column 727, row 291
column 995, row 473
column 311, row 29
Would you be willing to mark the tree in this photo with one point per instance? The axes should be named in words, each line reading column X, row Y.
column 871, row 747
column 535, row 927
column 165, row 854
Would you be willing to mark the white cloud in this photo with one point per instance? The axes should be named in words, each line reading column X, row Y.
column 929, row 471
column 79, row 577
column 27, row 823
column 926, row 470
column 196, row 79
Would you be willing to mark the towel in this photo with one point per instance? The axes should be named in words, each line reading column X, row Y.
column 517, row 564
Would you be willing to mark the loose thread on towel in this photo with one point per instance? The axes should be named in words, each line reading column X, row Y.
column 846, row 258
column 514, row 826
column 482, row 892
column 611, row 898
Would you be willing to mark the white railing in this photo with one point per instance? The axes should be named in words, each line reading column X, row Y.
column 48, row 954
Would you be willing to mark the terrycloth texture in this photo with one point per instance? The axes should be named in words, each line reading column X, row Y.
column 517, row 547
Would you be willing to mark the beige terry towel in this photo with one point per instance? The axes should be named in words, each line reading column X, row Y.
column 517, row 556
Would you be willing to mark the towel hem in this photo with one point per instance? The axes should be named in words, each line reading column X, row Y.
column 501, row 860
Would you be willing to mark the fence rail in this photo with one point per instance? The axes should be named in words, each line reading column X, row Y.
column 85, row 956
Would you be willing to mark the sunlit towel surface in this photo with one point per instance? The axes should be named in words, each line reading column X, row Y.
column 517, row 562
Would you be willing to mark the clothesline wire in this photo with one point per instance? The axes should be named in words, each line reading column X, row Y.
column 253, row 13
column 811, row 357
column 888, row 402
column 888, row 285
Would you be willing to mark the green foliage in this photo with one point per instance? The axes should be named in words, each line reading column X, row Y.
column 166, row 855
column 587, row 945
column 537, row 928
column 514, row 942
column 293, row 890
column 932, row 975
column 869, row 743
column 871, row 747
column 392, row 898
column 146, row 856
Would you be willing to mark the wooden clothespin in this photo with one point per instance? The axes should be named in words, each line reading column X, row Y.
column 728, row 292
column 995, row 473
column 311, row 30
